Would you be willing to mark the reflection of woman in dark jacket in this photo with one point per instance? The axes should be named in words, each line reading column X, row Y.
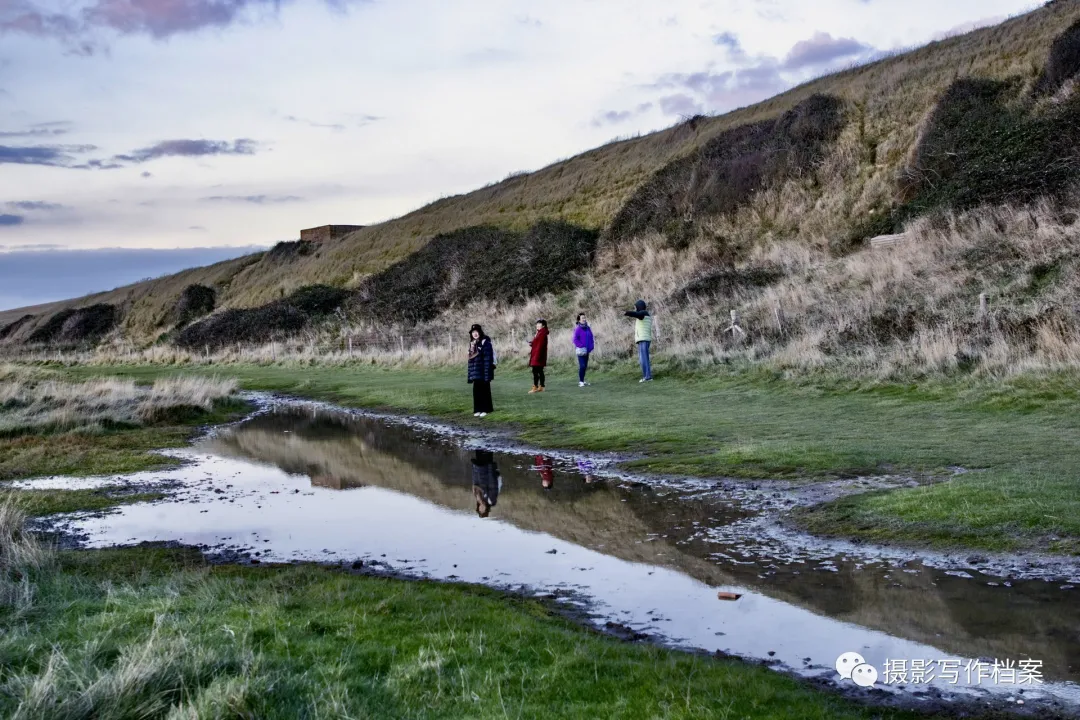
column 486, row 482
column 481, row 370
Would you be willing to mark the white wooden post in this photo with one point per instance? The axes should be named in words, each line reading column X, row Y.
column 982, row 303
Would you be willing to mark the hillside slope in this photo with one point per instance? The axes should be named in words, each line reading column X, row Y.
column 743, row 207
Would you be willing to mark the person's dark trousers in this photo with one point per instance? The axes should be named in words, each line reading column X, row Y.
column 582, row 366
column 538, row 376
column 481, row 397
column 643, row 356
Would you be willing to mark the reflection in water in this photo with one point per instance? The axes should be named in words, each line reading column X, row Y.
column 486, row 482
column 973, row 617
column 334, row 486
column 546, row 468
column 587, row 468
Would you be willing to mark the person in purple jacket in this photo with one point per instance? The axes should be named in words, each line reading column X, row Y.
column 583, row 346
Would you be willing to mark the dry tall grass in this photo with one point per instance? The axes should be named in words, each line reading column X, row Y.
column 40, row 402
column 22, row 557
column 902, row 310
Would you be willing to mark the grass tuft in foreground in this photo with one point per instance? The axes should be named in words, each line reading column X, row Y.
column 154, row 633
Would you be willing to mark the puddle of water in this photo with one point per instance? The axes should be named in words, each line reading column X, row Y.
column 306, row 484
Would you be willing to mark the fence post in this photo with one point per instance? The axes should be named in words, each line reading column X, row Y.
column 778, row 311
column 350, row 345
column 982, row 303
column 273, row 351
column 401, row 341
column 734, row 327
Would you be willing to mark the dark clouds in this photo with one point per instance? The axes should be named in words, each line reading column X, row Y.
column 34, row 206
column 51, row 155
column 823, row 49
column 254, row 199
column 750, row 80
column 11, row 213
column 613, row 117
column 30, row 277
column 64, row 156
column 189, row 148
column 46, row 129
column 80, row 28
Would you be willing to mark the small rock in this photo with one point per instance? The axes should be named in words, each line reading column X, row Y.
column 552, row 551
column 357, row 564
column 771, row 653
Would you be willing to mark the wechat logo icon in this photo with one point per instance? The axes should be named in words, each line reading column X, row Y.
column 853, row 666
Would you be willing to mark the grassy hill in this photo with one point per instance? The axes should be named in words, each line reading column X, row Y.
column 765, row 210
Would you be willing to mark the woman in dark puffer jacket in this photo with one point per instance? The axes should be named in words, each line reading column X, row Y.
column 481, row 370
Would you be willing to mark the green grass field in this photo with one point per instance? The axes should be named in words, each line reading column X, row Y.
column 137, row 632
column 1020, row 439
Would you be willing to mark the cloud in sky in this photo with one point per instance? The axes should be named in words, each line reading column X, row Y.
column 49, row 155
column 189, row 148
column 254, row 199
column 80, row 24
column 748, row 78
column 823, row 49
column 63, row 156
column 11, row 220
column 355, row 120
column 34, row 205
column 44, row 129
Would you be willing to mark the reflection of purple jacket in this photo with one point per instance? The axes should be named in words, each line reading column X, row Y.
column 583, row 337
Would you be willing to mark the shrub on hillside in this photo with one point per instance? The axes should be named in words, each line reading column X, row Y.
column 725, row 173
column 982, row 145
column 13, row 327
column 728, row 282
column 72, row 326
column 1063, row 63
column 478, row 263
column 290, row 249
column 280, row 318
column 195, row 301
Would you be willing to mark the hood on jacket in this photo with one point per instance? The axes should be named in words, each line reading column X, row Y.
column 640, row 306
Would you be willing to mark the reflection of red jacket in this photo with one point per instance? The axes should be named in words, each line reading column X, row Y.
column 538, row 356
column 546, row 468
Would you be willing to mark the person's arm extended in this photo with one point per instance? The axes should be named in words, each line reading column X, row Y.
column 636, row 314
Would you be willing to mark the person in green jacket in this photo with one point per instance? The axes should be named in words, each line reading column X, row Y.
column 643, row 334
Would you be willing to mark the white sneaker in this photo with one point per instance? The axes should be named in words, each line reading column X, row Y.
column 641, row 380
column 581, row 384
column 482, row 415
column 476, row 414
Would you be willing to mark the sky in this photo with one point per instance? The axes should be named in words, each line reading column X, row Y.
column 179, row 124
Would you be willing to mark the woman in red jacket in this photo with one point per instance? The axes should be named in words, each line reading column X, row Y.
column 538, row 355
